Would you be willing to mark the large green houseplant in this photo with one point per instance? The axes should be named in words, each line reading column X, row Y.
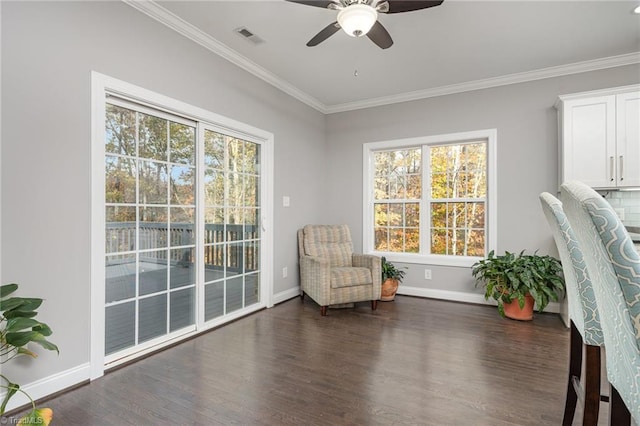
column 510, row 278
column 18, row 327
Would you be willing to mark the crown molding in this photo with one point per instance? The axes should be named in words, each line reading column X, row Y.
column 505, row 80
column 165, row 17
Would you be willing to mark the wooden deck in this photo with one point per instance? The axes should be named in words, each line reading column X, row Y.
column 120, row 285
column 413, row 361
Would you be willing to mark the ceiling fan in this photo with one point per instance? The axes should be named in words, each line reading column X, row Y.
column 360, row 17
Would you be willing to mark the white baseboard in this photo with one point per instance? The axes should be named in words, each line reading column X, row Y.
column 458, row 296
column 283, row 296
column 49, row 385
column 455, row 296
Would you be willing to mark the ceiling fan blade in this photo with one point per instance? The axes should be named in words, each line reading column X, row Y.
column 317, row 3
column 327, row 32
column 379, row 35
column 397, row 6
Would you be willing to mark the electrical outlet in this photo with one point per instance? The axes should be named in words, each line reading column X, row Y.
column 286, row 201
column 620, row 212
column 285, row 272
column 427, row 274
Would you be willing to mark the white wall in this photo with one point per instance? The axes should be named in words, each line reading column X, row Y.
column 527, row 151
column 48, row 52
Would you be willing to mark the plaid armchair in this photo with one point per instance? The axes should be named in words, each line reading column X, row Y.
column 330, row 273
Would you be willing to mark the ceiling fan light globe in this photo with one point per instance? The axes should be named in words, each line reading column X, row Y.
column 356, row 20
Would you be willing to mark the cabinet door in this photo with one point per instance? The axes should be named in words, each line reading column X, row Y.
column 628, row 139
column 589, row 133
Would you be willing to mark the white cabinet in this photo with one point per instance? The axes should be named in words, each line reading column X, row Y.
column 600, row 137
column 628, row 139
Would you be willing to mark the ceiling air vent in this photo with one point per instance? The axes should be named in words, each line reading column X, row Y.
column 248, row 35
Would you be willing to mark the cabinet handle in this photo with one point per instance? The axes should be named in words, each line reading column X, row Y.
column 621, row 167
column 611, row 168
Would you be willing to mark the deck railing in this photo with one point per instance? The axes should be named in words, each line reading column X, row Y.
column 237, row 242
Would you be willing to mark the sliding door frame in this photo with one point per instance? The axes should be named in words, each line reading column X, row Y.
column 101, row 87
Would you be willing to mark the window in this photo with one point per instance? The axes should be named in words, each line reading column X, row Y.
column 458, row 198
column 431, row 200
column 397, row 194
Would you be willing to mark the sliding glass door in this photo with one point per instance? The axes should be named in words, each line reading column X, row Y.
column 231, row 224
column 182, row 223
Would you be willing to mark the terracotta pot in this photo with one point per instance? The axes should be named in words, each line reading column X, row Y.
column 389, row 288
column 512, row 310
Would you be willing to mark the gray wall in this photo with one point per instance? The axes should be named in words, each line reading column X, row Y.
column 48, row 52
column 527, row 151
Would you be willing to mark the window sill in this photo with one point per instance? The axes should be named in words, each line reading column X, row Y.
column 430, row 259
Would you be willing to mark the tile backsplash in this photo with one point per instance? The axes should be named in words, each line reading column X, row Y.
column 628, row 201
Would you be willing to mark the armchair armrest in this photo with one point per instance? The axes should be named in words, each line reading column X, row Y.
column 315, row 278
column 373, row 263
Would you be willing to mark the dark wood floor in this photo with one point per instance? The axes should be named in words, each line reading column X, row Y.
column 413, row 361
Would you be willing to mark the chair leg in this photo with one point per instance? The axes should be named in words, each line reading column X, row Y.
column 374, row 305
column 618, row 412
column 575, row 366
column 591, row 385
column 323, row 311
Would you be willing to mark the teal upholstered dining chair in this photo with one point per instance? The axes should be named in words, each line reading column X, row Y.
column 331, row 273
column 614, row 267
column 586, row 332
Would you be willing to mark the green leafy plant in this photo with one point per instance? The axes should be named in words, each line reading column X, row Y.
column 390, row 271
column 18, row 327
column 510, row 277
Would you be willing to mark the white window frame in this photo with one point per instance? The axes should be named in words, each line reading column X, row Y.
column 102, row 86
column 368, row 170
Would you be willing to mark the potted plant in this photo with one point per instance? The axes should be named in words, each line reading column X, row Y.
column 18, row 327
column 391, row 279
column 517, row 281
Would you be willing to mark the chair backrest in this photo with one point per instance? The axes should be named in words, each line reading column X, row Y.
column 614, row 268
column 331, row 242
column 583, row 309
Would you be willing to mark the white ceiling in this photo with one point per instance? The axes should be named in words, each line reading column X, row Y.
column 458, row 46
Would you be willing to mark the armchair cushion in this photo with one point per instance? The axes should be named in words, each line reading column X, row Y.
column 331, row 242
column 348, row 276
